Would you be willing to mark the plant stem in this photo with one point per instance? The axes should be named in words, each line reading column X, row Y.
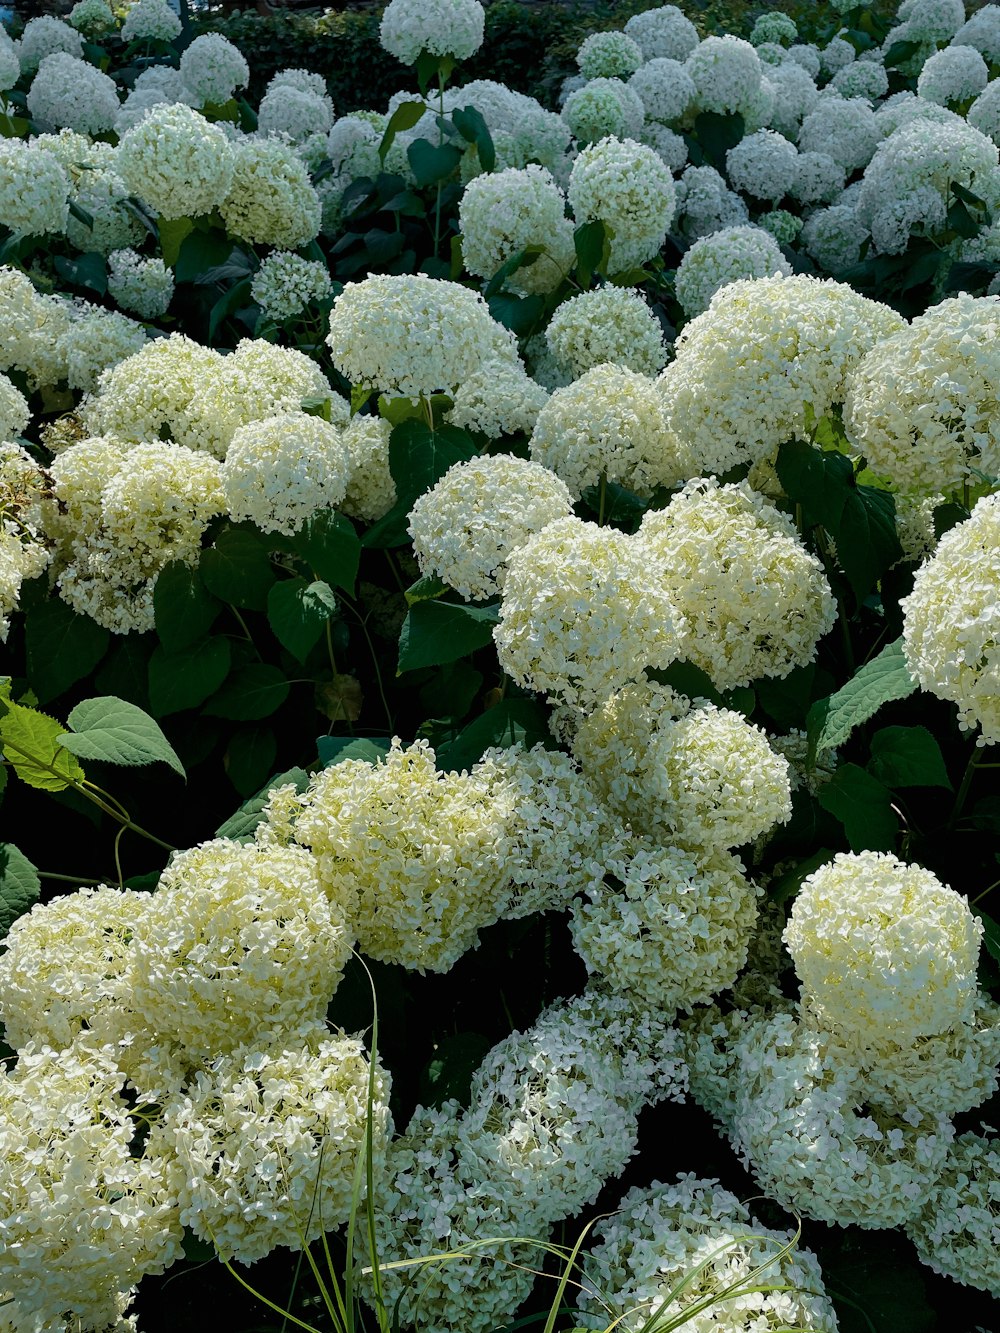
column 963, row 790
column 69, row 879
column 602, row 500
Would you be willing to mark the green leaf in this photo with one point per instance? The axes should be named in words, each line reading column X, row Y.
column 201, row 251
column 511, row 722
column 448, row 1073
column 436, row 632
column 237, row 569
column 432, row 162
column 866, row 539
column 334, row 749
column 250, row 757
column 20, row 886
column 907, row 757
column 116, row 732
column 240, row 826
column 406, row 115
column 298, row 611
column 898, row 53
column 717, row 133
column 252, row 692
column 690, row 680
column 593, row 248
column 62, row 647
column 419, row 456
column 30, row 741
column 786, row 886
column 880, row 681
column 787, row 700
column 427, row 589
column 183, row 609
column 817, row 480
column 431, row 68
column 227, row 303
column 173, row 232
column 473, row 128
column 330, row 545
column 863, row 806
column 89, row 271
column 187, row 678
column 450, row 692
column 125, row 672
column 520, row 314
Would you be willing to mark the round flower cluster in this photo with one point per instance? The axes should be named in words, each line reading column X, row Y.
column 922, row 404
column 294, row 112
column 603, row 108
column 582, row 614
column 285, row 284
column 669, row 1248
column 413, row 336
column 781, row 224
column 44, row 36
column 930, row 20
column 94, row 340
column 371, row 491
column 279, row 471
column 103, row 194
column 70, row 92
column 795, row 96
column 609, row 55
column 759, row 604
column 34, row 190
column 665, row 32
column 10, row 65
column 150, row 20
column 266, row 1140
column 834, row 237
column 774, row 27
column 423, row 851
column 726, row 256
column 238, row 939
column 31, row 327
column 466, row 526
column 64, row 960
column 143, row 286
column 176, row 162
column 212, row 69
column 747, row 369
column 666, row 89
column 500, row 399
column 705, row 203
column 267, row 380
column 842, row 128
column 93, row 18
column 698, row 776
column 956, row 74
column 727, row 74
column 14, row 411
column 671, row 929
column 883, row 947
column 864, row 79
column 440, row 27
column 608, row 324
column 950, row 635
column 801, row 1123
column 764, row 165
column 271, row 200
column 957, row 1232
column 626, row 186
column 982, row 31
column 984, row 113
column 503, row 213
column 608, row 424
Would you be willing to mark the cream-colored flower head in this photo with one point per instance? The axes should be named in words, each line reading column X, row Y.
column 957, row 1232
column 883, row 947
column 608, row 324
column 371, row 491
column 176, row 161
column 950, row 636
column 279, row 471
column 271, row 200
column 413, row 336
column 626, row 186
column 440, row 27
column 583, row 613
column 725, row 256
column 500, row 399
column 466, row 526
column 34, row 190
column 502, row 213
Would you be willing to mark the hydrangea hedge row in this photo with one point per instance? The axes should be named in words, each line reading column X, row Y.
column 540, row 571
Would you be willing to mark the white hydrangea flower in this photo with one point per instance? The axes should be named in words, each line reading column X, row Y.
column 624, row 185
column 901, row 108
column 865, row 79
column 665, row 32
column 271, row 199
column 955, row 74
column 795, row 95
column 781, row 224
column 818, row 178
column 609, row 424
column 95, row 340
column 280, row 471
column 352, row 146
column 609, row 55
column 265, row 380
column 423, row 851
column 807, row 56
column 921, row 406
column 696, row 776
column 842, row 128
column 176, row 162
column 931, row 20
column 706, row 204
column 666, row 89
column 727, row 74
column 43, row 36
column 440, row 27
column 303, row 80
column 502, row 213
column 143, row 286
column 31, row 328
column 14, row 411
column 698, row 1240
column 413, row 336
column 10, row 65
column 670, row 148
column 265, row 1142
column 465, row 527
column 604, row 108
column 67, row 92
column 763, row 165
column 294, row 112
column 608, row 324
column 93, row 18
column 728, row 255
column 500, row 399
column 34, row 190
column 981, row 31
column 25, row 509
column 880, row 946
column 745, row 370
column 150, row 20
column 833, row 237
column 583, row 614
column 371, row 491
column 285, row 284
column 957, row 1232
column 212, row 69
column 950, row 636
column 984, row 113
column 102, row 193
column 672, row 928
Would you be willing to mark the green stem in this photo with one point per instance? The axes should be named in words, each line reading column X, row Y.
column 602, row 500
column 329, row 649
column 70, row 879
column 963, row 790
column 981, row 896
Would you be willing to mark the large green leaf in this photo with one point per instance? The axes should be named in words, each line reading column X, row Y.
column 62, row 648
column 298, row 611
column 252, row 692
column 430, row 162
column 237, row 569
column 436, row 632
column 329, row 543
column 116, row 732
column 187, row 678
column 173, row 233
column 510, row 722
column 880, row 681
column 419, row 456
column 250, row 757
column 240, row 826
column 907, row 757
column 183, row 608
column 863, row 806
column 334, row 749
column 19, row 886
column 30, row 741
column 867, row 544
